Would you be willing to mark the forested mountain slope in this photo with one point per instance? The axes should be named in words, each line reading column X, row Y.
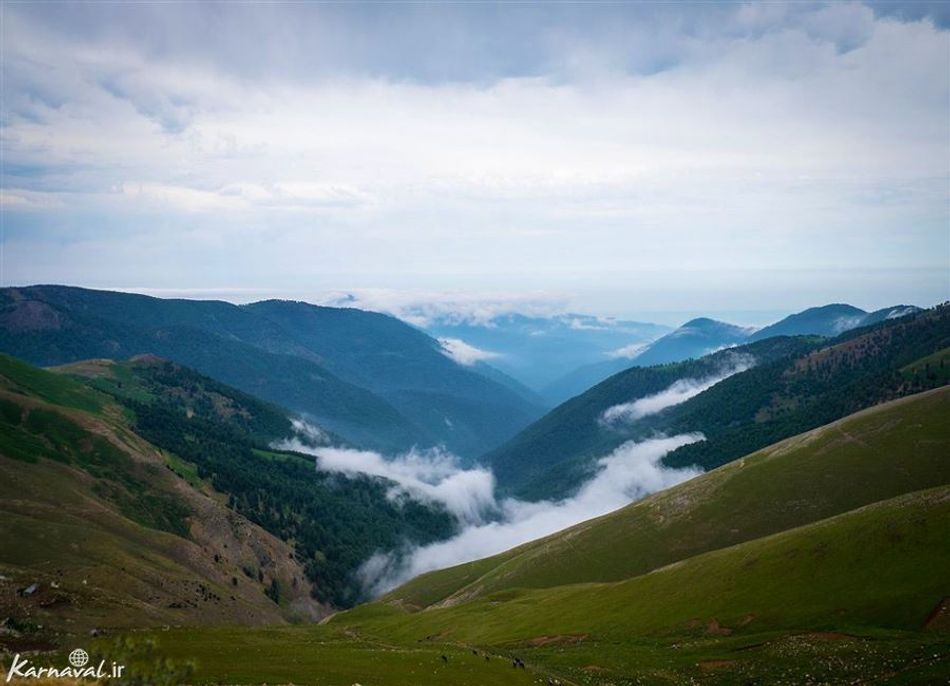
column 156, row 486
column 372, row 378
column 795, row 384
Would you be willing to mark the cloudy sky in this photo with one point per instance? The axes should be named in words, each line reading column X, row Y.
column 617, row 157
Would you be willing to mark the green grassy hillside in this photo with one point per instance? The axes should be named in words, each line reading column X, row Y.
column 882, row 568
column 879, row 566
column 184, row 501
column 879, row 453
column 850, row 599
column 111, row 535
column 821, row 559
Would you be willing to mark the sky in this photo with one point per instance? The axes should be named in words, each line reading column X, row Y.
column 611, row 158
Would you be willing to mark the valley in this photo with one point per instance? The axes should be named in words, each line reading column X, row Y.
column 769, row 510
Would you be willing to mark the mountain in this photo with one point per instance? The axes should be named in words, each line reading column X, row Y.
column 408, row 369
column 151, row 494
column 695, row 338
column 373, row 379
column 830, row 320
column 795, row 384
column 535, row 349
column 702, row 336
column 551, row 457
column 820, row 559
column 112, row 535
column 886, row 313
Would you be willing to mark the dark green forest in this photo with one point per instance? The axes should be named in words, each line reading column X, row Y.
column 334, row 522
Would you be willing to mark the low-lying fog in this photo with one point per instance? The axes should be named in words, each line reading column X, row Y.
column 489, row 524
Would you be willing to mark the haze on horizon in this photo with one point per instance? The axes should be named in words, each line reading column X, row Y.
column 617, row 159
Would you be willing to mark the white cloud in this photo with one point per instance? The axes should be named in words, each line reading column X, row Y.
column 678, row 392
column 488, row 525
column 899, row 312
column 628, row 352
column 630, row 472
column 423, row 308
column 810, row 135
column 842, row 324
column 465, row 354
column 430, row 476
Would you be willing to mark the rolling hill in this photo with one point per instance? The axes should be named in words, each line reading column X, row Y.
column 115, row 532
column 376, row 381
column 820, row 559
column 876, row 454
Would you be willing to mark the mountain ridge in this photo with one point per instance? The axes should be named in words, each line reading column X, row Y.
column 746, row 411
column 282, row 351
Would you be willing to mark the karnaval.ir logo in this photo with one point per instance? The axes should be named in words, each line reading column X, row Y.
column 79, row 668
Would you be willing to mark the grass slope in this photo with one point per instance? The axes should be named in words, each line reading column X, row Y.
column 113, row 537
column 839, row 601
column 819, row 560
column 881, row 567
column 216, row 440
column 882, row 452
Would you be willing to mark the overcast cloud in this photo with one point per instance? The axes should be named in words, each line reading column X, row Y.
column 677, row 155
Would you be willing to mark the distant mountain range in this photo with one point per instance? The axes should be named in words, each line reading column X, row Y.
column 380, row 383
column 373, row 379
column 535, row 350
column 793, row 383
column 703, row 336
column 695, row 338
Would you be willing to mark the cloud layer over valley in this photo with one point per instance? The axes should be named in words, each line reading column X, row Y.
column 680, row 391
column 489, row 524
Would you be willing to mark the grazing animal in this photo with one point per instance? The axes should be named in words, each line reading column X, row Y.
column 445, row 659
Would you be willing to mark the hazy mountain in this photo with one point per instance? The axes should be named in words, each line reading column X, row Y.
column 535, row 350
column 372, row 378
column 702, row 336
column 889, row 313
column 695, row 338
column 828, row 320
